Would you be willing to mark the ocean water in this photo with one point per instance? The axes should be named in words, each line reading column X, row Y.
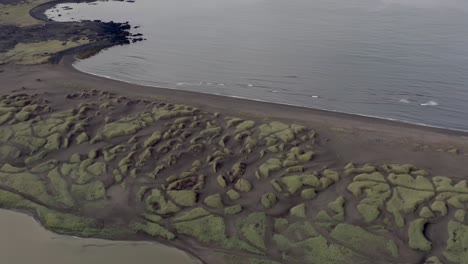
column 399, row 59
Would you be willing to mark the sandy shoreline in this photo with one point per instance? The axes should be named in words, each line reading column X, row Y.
column 67, row 63
column 63, row 77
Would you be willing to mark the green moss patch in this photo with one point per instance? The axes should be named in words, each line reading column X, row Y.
column 243, row 185
column 406, row 201
column 367, row 168
column 298, row 211
column 89, row 192
column 276, row 185
column 233, row 195
column 417, row 240
column 221, row 181
column 156, row 202
column 355, row 237
column 426, row 213
column 153, row 229
column 9, row 152
column 300, row 230
column 308, row 194
column 208, row 229
column 457, row 243
column 270, row 166
column 232, row 210
column 295, row 182
column 406, row 180
column 27, row 183
column 439, row 206
column 37, row 52
column 190, row 215
column 60, row 187
column 152, row 140
column 214, row 201
column 183, row 197
column 368, row 212
column 122, row 128
column 268, row 200
column 253, row 229
column 246, row 125
column 68, row 223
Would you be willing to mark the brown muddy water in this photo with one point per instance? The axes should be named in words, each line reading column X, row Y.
column 24, row 241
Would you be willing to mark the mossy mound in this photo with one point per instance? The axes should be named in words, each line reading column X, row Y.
column 406, row 201
column 232, row 210
column 183, row 197
column 355, row 237
column 156, row 202
column 243, row 185
column 221, row 181
column 298, row 211
column 233, row 195
column 457, row 244
column 214, row 201
column 152, row 140
column 124, row 127
column 268, row 200
column 192, row 214
column 367, row 168
column 406, row 180
column 295, row 182
column 89, row 192
column 253, row 229
column 153, row 229
column 417, row 240
column 207, row 229
column 308, row 194
column 270, row 166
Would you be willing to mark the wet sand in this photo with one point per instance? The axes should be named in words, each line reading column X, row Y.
column 23, row 240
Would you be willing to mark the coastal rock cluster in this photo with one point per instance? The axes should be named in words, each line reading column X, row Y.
column 245, row 189
column 28, row 28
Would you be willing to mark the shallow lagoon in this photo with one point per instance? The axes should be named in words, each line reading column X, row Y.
column 23, row 240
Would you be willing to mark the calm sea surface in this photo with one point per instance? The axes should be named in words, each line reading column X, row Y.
column 398, row 59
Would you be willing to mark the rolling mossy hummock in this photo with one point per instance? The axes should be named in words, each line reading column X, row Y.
column 253, row 189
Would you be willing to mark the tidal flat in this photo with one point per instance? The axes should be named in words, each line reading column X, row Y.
column 24, row 240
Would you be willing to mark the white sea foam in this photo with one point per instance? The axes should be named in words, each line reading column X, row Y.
column 430, row 103
column 405, row 101
column 315, row 96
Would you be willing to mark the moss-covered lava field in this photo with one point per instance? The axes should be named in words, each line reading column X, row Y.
column 245, row 190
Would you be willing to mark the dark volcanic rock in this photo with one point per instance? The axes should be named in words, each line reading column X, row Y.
column 101, row 34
